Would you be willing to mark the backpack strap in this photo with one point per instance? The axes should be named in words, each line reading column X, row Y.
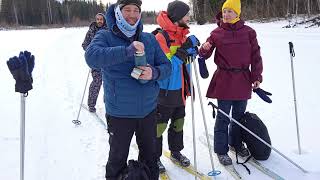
column 165, row 35
column 243, row 163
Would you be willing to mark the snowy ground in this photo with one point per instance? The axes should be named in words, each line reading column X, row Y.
column 57, row 149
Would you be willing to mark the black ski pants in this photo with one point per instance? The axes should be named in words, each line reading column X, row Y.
column 175, row 131
column 121, row 131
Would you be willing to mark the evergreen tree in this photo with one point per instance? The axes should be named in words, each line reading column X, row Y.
column 42, row 12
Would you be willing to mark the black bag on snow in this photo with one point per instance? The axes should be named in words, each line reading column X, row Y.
column 136, row 171
column 257, row 149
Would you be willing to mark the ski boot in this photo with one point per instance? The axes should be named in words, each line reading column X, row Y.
column 180, row 159
column 92, row 109
column 162, row 169
column 224, row 159
column 243, row 151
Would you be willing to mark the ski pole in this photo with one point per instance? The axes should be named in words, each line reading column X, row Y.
column 76, row 121
column 257, row 137
column 23, row 84
column 292, row 54
column 192, row 115
column 22, row 133
column 213, row 172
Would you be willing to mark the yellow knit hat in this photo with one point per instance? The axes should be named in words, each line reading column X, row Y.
column 234, row 5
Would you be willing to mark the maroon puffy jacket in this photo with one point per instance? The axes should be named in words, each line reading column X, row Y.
column 238, row 61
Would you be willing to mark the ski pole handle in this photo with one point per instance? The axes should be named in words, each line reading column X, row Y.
column 291, row 49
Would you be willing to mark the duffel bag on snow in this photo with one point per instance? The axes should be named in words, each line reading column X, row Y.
column 136, row 171
column 257, row 149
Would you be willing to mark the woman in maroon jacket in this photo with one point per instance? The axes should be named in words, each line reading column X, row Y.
column 239, row 68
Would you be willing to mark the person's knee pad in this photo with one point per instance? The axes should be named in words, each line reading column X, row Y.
column 161, row 127
column 178, row 125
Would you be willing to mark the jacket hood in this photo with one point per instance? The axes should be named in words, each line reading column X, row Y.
column 111, row 21
column 104, row 17
column 166, row 24
column 93, row 25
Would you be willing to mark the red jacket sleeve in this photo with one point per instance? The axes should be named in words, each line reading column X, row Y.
column 207, row 53
column 256, row 60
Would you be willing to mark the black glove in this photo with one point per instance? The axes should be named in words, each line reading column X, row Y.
column 203, row 68
column 191, row 42
column 264, row 95
column 30, row 61
column 19, row 70
column 188, row 48
column 183, row 54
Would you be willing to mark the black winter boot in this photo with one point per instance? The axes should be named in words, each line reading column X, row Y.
column 162, row 169
column 224, row 159
column 92, row 109
column 243, row 151
column 179, row 158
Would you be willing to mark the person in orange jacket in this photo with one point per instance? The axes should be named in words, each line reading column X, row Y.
column 173, row 91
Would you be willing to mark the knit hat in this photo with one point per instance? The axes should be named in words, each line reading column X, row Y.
column 123, row 3
column 101, row 14
column 234, row 5
column 177, row 10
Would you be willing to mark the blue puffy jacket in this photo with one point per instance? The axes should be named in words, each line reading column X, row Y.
column 126, row 97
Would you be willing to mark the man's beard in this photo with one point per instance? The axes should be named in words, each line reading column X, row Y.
column 183, row 24
column 100, row 24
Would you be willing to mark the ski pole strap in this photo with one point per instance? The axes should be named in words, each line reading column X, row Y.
column 213, row 111
column 243, row 163
column 167, row 90
column 291, row 49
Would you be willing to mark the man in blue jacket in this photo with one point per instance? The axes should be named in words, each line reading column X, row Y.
column 130, row 104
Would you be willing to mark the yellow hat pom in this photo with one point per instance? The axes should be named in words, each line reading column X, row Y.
column 234, row 5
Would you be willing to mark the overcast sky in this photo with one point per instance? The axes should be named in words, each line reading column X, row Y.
column 150, row 5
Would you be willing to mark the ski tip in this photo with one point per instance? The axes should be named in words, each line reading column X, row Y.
column 214, row 173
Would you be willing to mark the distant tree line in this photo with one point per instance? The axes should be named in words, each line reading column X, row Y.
column 39, row 12
column 46, row 12
column 75, row 12
column 205, row 10
column 149, row 17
